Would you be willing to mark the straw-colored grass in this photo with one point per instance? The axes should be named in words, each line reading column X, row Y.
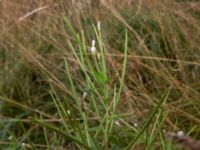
column 141, row 82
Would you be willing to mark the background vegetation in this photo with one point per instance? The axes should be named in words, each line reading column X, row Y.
column 142, row 81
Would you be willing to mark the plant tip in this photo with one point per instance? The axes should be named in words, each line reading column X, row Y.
column 117, row 123
column 68, row 112
column 93, row 48
column 10, row 137
column 180, row 133
column 135, row 124
column 99, row 25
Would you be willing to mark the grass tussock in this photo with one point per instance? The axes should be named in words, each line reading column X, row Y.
column 140, row 79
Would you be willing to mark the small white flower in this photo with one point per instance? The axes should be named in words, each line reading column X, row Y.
column 23, row 144
column 93, row 48
column 135, row 124
column 84, row 95
column 163, row 130
column 180, row 133
column 93, row 43
column 68, row 112
column 98, row 25
column 10, row 137
column 117, row 123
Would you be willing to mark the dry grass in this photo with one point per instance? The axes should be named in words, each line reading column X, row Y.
column 163, row 52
